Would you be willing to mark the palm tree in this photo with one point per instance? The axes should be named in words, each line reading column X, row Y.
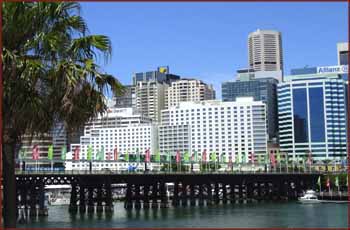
column 50, row 74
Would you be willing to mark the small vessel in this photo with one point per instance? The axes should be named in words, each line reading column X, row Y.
column 59, row 200
column 309, row 198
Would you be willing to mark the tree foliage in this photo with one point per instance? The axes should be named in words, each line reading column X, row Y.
column 50, row 68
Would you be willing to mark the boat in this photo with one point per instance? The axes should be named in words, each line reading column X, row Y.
column 309, row 198
column 59, row 200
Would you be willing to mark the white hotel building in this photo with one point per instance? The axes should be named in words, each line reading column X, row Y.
column 227, row 128
column 119, row 128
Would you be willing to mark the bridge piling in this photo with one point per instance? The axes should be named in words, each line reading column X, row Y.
column 73, row 199
column 91, row 206
column 82, row 205
column 176, row 194
column 146, row 196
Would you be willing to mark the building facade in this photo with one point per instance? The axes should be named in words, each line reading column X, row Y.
column 261, row 89
column 118, row 130
column 188, row 90
column 57, row 137
column 150, row 98
column 265, row 50
column 161, row 75
column 234, row 129
column 312, row 116
column 343, row 52
column 127, row 99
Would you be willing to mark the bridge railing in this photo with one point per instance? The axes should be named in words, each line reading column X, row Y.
column 110, row 172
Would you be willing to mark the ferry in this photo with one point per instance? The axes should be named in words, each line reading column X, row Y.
column 309, row 198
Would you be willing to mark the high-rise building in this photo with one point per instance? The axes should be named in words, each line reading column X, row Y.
column 265, row 50
column 261, row 89
column 127, row 99
column 312, row 116
column 343, row 52
column 188, row 90
column 230, row 128
column 161, row 75
column 150, row 98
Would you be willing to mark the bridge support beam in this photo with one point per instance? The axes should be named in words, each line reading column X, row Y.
column 163, row 196
column 176, row 194
column 99, row 207
column 192, row 195
column 155, row 195
column 73, row 199
column 137, row 197
column 82, row 205
column 200, row 195
column 43, row 211
column 184, row 195
column 145, row 196
column 108, row 199
column 128, row 197
column 91, row 206
column 224, row 194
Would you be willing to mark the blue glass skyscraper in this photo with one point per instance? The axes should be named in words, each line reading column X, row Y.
column 312, row 116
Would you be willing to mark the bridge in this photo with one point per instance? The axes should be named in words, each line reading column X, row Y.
column 92, row 191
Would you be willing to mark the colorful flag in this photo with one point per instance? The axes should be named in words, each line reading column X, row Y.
column 101, row 154
column 76, row 153
column 272, row 159
column 244, row 158
column 278, row 156
column 168, row 156
column 115, row 151
column 89, row 153
column 178, row 157
column 186, row 157
column 50, row 153
column 213, row 157
column 319, row 181
column 252, row 158
column 222, row 158
column 148, row 155
column 63, row 153
column 195, row 156
column 35, row 152
column 328, row 183
column 238, row 160
column 158, row 156
column 138, row 155
column 336, row 182
column 204, row 155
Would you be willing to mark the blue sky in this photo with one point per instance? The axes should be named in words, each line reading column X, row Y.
column 208, row 41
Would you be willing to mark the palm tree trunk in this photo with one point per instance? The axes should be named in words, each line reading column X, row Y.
column 9, row 185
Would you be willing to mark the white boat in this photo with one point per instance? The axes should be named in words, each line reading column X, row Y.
column 59, row 200
column 309, row 198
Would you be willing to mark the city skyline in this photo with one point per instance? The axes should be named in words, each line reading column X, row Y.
column 142, row 42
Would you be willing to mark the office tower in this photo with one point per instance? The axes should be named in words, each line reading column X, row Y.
column 312, row 116
column 234, row 129
column 261, row 89
column 127, row 99
column 343, row 52
column 188, row 90
column 150, row 98
column 161, row 75
column 265, row 50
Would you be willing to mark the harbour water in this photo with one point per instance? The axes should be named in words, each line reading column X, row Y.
column 268, row 214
